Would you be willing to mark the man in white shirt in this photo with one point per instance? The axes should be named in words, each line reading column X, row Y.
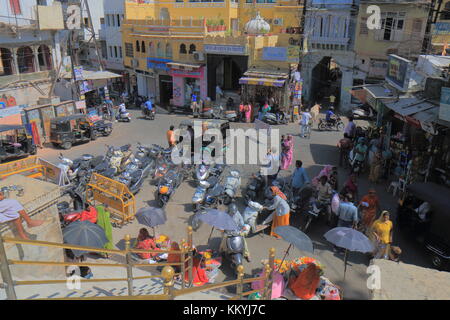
column 12, row 211
column 272, row 168
column 304, row 122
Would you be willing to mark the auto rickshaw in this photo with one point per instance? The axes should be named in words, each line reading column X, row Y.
column 15, row 142
column 429, row 226
column 68, row 130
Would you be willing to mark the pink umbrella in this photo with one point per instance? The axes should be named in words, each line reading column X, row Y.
column 277, row 285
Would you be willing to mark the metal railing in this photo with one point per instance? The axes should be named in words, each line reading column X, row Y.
column 168, row 273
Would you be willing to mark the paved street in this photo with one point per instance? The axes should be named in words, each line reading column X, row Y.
column 315, row 153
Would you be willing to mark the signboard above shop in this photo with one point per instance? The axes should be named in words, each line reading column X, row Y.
column 285, row 54
column 398, row 72
column 158, row 64
column 224, row 49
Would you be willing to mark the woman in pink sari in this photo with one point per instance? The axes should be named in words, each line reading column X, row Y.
column 288, row 153
column 248, row 112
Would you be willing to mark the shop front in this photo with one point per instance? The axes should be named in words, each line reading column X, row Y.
column 163, row 81
column 188, row 79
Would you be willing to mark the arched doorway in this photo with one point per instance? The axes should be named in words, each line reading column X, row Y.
column 6, row 62
column 45, row 58
column 326, row 81
column 25, row 60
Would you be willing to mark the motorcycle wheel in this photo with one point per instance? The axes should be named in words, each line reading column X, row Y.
column 322, row 126
column 340, row 126
column 66, row 145
column 195, row 222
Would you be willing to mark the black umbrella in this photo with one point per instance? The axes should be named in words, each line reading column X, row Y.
column 349, row 239
column 84, row 233
column 295, row 238
column 218, row 219
column 151, row 217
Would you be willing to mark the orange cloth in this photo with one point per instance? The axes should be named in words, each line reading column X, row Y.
column 174, row 257
column 368, row 213
column 171, row 137
column 278, row 192
column 199, row 274
column 279, row 221
column 305, row 285
column 147, row 244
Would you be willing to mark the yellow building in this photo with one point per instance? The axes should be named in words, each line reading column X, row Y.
column 177, row 48
column 440, row 31
column 402, row 32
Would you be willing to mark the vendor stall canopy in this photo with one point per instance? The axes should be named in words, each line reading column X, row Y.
column 409, row 106
column 264, row 78
column 94, row 75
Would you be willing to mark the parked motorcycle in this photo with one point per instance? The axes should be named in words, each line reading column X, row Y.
column 273, row 119
column 337, row 124
column 168, row 185
column 103, row 128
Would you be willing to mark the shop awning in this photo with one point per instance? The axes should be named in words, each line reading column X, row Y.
column 409, row 106
column 379, row 92
column 94, row 75
column 262, row 82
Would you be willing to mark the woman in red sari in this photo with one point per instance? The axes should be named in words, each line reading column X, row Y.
column 198, row 273
column 370, row 205
column 146, row 242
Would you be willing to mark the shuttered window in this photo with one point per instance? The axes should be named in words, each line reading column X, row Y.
column 129, row 50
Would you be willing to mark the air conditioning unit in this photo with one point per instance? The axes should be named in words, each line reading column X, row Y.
column 199, row 56
column 293, row 41
column 278, row 22
column 134, row 63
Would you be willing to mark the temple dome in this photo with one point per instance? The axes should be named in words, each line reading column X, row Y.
column 257, row 26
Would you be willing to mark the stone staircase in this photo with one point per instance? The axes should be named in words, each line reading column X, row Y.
column 152, row 286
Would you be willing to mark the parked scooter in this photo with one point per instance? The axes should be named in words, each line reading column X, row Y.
column 231, row 187
column 234, row 250
column 251, row 213
column 199, row 196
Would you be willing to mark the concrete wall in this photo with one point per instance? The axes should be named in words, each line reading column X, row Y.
column 26, row 94
column 39, row 202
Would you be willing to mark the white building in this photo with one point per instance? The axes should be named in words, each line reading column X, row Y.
column 30, row 49
column 329, row 42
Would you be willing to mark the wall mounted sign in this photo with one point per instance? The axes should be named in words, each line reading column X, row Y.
column 224, row 49
column 397, row 71
column 158, row 64
column 274, row 53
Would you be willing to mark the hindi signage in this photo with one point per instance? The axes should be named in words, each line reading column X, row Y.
column 224, row 49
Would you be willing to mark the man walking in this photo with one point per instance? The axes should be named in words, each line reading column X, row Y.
column 299, row 177
column 347, row 213
column 304, row 123
column 350, row 129
column 12, row 211
column 171, row 137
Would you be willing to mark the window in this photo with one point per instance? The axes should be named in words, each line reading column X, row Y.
column 183, row 48
column 120, row 52
column 192, row 49
column 108, row 21
column 445, row 13
column 41, row 2
column 137, row 46
column 102, row 21
column 15, row 7
column 143, row 46
column 118, row 20
column 115, row 51
column 129, row 50
column 86, row 21
column 363, row 27
column 417, row 26
column 151, row 49
column 110, row 51
column 392, row 26
column 113, row 20
column 168, row 50
column 159, row 50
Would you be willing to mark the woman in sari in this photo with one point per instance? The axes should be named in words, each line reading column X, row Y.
column 351, row 187
column 307, row 282
column 146, row 242
column 282, row 211
column 370, row 205
column 381, row 234
column 174, row 257
column 198, row 272
column 248, row 112
column 287, row 154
